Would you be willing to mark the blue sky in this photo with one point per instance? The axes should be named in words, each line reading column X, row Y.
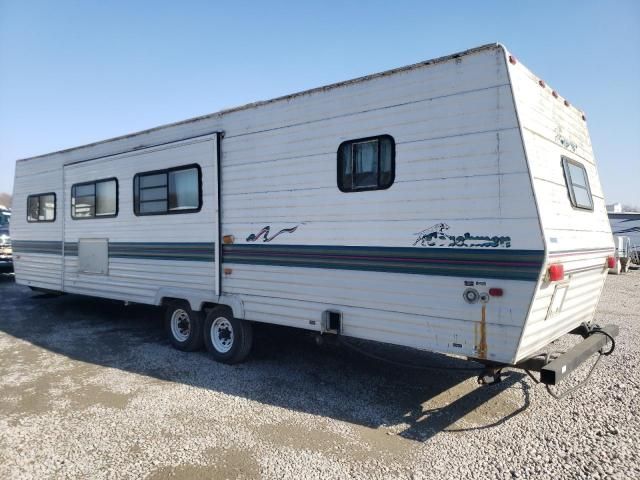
column 73, row 72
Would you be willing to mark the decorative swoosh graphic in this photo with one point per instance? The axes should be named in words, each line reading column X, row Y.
column 264, row 233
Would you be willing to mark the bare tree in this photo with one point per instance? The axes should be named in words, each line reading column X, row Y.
column 630, row 208
column 5, row 199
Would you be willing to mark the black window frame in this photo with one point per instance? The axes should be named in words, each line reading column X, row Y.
column 94, row 183
column 566, row 161
column 378, row 186
column 55, row 206
column 165, row 171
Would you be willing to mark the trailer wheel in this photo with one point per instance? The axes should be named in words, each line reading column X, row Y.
column 228, row 339
column 184, row 326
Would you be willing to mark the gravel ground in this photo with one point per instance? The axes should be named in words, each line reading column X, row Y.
column 91, row 389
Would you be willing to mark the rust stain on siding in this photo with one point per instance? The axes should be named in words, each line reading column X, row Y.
column 481, row 331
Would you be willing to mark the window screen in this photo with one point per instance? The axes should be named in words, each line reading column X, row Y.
column 175, row 190
column 366, row 164
column 97, row 199
column 577, row 184
column 41, row 207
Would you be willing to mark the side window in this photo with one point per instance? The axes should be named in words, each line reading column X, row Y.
column 366, row 164
column 41, row 207
column 97, row 199
column 577, row 181
column 175, row 190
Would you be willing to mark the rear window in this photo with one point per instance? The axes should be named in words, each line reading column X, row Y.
column 366, row 164
column 41, row 207
column 577, row 184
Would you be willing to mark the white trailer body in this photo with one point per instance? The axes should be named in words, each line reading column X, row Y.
column 484, row 178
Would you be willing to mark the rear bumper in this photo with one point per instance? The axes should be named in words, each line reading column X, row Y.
column 552, row 371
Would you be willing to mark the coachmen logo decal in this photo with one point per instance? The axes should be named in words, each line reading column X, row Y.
column 436, row 236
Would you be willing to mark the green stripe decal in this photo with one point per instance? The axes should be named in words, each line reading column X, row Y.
column 197, row 252
column 36, row 246
column 450, row 262
column 456, row 262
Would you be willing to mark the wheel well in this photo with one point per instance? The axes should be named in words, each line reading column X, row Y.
column 206, row 306
column 166, row 301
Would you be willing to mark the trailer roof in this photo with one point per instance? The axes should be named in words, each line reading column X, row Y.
column 278, row 99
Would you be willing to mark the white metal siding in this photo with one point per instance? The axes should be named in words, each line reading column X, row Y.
column 459, row 160
column 579, row 239
column 140, row 279
column 37, row 269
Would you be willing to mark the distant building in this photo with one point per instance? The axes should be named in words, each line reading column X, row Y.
column 614, row 208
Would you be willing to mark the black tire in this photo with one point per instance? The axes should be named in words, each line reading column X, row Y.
column 184, row 326
column 227, row 339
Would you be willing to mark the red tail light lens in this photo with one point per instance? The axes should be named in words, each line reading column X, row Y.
column 495, row 292
column 556, row 272
column 611, row 262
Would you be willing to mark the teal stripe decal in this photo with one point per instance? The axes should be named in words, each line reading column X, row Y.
column 451, row 262
column 36, row 246
column 197, row 252
column 455, row 262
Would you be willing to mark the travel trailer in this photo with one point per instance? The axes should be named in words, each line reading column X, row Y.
column 452, row 205
column 627, row 225
column 622, row 254
column 6, row 260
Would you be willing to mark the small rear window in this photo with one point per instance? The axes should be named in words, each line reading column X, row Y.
column 366, row 164
column 41, row 207
column 577, row 184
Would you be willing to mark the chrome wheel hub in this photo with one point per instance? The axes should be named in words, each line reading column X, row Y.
column 180, row 325
column 222, row 334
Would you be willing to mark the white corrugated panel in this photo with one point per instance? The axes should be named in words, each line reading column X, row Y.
column 459, row 161
column 579, row 239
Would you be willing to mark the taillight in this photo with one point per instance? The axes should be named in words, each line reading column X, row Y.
column 556, row 272
column 495, row 292
column 611, row 262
